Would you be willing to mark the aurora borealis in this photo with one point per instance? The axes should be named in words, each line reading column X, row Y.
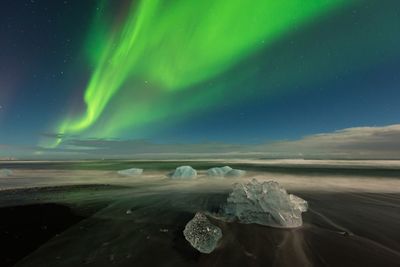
column 179, row 45
column 194, row 71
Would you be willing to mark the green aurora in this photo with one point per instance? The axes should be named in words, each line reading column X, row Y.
column 145, row 67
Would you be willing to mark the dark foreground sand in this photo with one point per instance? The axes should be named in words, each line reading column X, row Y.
column 101, row 225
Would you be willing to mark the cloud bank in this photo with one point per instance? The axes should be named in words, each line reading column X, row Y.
column 359, row 142
column 350, row 143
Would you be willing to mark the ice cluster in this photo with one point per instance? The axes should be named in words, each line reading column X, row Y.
column 265, row 203
column 202, row 234
column 183, row 172
column 225, row 171
column 131, row 172
column 5, row 172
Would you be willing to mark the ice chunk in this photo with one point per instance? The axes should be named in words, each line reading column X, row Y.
column 265, row 203
column 235, row 173
column 131, row 172
column 5, row 172
column 202, row 234
column 219, row 171
column 225, row 172
column 184, row 172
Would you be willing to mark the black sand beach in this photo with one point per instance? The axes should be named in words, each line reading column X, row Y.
column 141, row 225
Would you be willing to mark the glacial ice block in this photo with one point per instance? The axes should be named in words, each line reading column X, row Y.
column 225, row 171
column 218, row 171
column 184, row 172
column 265, row 203
column 131, row 172
column 5, row 172
column 202, row 234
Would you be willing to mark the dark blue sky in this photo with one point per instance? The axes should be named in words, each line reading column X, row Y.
column 340, row 71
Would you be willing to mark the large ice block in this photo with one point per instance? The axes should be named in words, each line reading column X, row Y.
column 225, row 171
column 265, row 203
column 183, row 172
column 218, row 171
column 202, row 234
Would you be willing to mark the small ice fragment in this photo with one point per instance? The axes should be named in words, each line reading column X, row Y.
column 5, row 172
column 164, row 230
column 128, row 212
column 202, row 234
column 265, row 203
column 344, row 233
column 184, row 172
column 131, row 172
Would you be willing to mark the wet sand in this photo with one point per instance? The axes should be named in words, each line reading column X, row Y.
column 339, row 230
column 141, row 224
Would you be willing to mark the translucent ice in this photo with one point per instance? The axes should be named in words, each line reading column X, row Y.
column 265, row 203
column 202, row 234
column 224, row 172
column 184, row 172
column 5, row 172
column 218, row 171
column 131, row 172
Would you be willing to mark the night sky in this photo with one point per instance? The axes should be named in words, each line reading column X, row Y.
column 192, row 72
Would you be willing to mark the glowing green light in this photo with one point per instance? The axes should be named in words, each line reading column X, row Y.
column 174, row 45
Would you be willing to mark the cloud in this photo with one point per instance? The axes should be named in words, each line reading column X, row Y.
column 359, row 142
column 128, row 147
column 350, row 143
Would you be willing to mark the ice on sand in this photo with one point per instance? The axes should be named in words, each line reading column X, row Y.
column 265, row 203
column 218, row 171
column 131, row 172
column 225, row 171
column 202, row 234
column 183, row 172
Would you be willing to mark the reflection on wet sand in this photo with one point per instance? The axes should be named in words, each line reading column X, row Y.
column 352, row 221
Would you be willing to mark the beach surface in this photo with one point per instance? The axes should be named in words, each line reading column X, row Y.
column 85, row 214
